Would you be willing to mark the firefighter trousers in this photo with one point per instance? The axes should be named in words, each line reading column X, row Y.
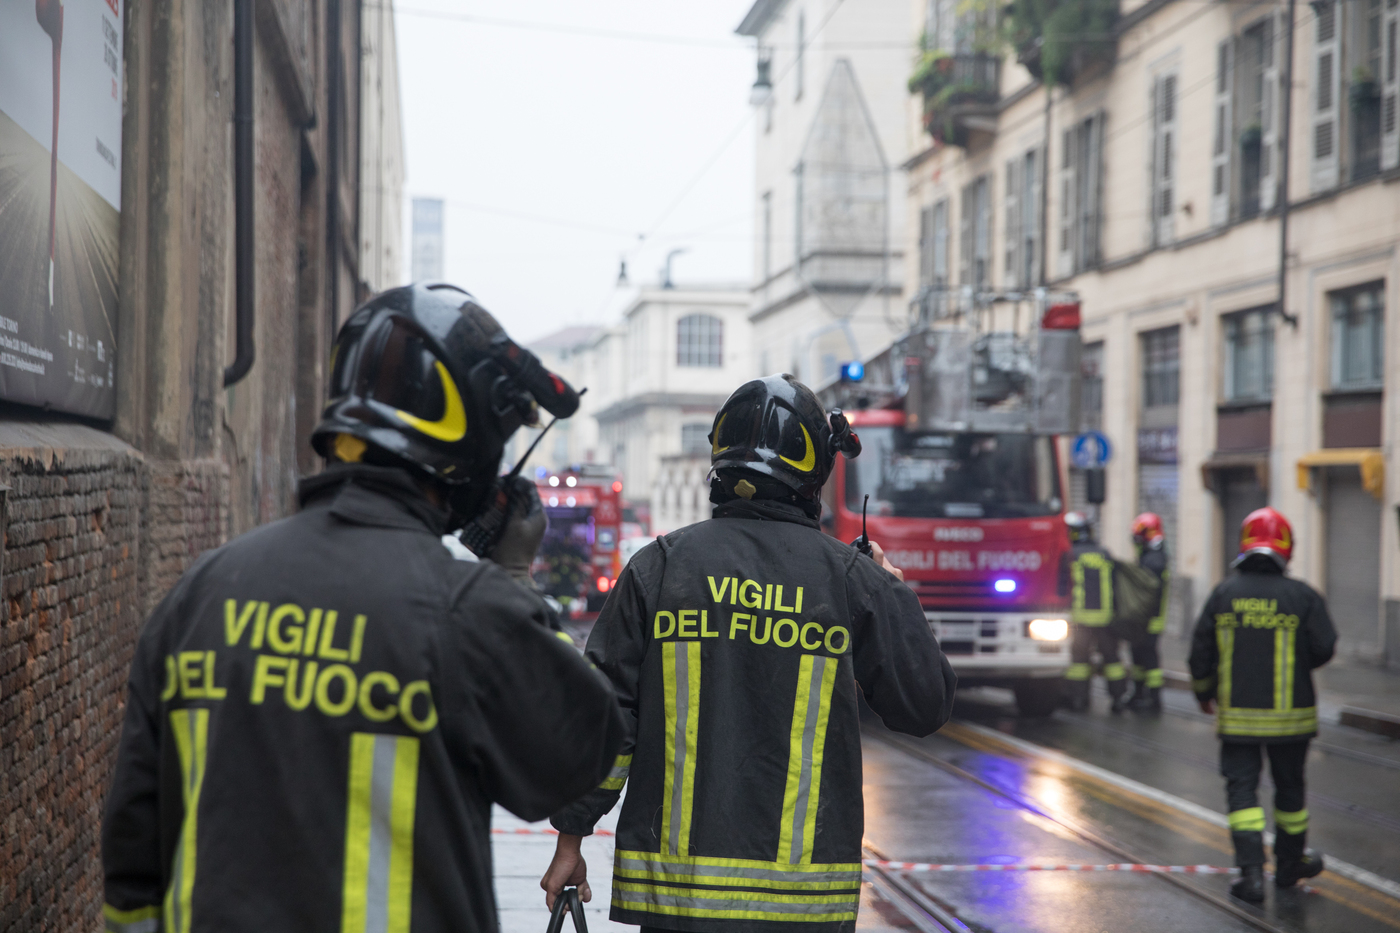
column 1083, row 640
column 1147, row 663
column 1241, row 764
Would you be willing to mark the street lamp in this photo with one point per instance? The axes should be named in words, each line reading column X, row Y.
column 762, row 88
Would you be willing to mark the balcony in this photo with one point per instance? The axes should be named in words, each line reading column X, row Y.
column 960, row 94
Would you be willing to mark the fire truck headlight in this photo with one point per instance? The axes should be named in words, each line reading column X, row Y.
column 571, row 481
column 1005, row 586
column 554, row 481
column 1048, row 629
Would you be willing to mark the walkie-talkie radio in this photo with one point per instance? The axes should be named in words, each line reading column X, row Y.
column 862, row 543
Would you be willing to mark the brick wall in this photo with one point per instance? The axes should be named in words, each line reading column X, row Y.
column 94, row 535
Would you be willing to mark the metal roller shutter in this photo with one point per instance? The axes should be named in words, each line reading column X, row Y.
column 1353, row 574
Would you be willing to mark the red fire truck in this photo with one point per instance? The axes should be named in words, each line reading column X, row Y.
column 579, row 559
column 967, row 494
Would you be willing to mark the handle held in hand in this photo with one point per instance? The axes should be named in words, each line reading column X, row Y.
column 568, row 900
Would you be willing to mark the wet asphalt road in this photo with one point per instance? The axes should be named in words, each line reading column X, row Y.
column 1027, row 806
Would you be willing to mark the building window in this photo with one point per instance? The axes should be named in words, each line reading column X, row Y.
column 1365, row 91
column 1326, row 90
column 799, row 69
column 1023, row 220
column 700, row 341
column 1358, row 337
column 1091, row 386
column 1249, row 355
column 1161, row 368
column 1081, row 176
column 976, row 233
column 695, row 439
column 1258, row 84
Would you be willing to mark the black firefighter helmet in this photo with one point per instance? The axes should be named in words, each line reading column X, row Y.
column 775, row 427
column 424, row 376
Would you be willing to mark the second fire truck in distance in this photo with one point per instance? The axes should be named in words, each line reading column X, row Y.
column 580, row 558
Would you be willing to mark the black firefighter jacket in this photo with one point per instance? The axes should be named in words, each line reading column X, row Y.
column 1259, row 636
column 320, row 715
column 737, row 647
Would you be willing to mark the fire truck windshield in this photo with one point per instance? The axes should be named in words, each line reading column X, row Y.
column 953, row 475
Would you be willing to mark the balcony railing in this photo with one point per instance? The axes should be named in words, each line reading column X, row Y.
column 960, row 94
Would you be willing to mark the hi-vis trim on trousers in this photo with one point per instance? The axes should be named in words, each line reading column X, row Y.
column 191, row 730
column 140, row 920
column 737, row 889
column 680, row 665
column 378, row 889
column 810, row 712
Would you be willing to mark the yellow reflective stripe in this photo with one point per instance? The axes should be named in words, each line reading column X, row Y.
column 735, row 905
column 1267, row 722
column 1278, row 669
column 617, row 777
column 190, row 728
column 1225, row 640
column 1078, row 672
column 1289, row 660
column 626, row 901
column 1103, row 570
column 377, row 892
column 140, row 920
column 1114, row 671
column 1250, row 820
column 1204, row 685
column 765, row 897
column 752, row 873
column 680, row 664
column 1292, row 823
column 811, row 711
column 1155, row 678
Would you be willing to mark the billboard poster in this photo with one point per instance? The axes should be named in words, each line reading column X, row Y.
column 60, row 202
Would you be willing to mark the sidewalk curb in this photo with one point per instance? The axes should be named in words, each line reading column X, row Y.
column 1368, row 720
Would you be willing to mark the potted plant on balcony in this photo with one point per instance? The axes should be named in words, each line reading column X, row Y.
column 946, row 82
column 1056, row 40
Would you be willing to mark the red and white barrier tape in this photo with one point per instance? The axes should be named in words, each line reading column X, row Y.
column 531, row 831
column 1040, row 866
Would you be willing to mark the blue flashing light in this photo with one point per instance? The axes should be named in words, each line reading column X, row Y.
column 853, row 371
column 1005, row 586
column 541, row 472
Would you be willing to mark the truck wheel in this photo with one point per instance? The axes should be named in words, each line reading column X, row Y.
column 1036, row 699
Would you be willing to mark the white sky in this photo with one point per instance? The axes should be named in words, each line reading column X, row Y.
column 596, row 138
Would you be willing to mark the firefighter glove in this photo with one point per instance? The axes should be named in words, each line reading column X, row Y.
column 524, row 530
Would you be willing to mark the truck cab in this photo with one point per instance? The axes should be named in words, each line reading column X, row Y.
column 975, row 522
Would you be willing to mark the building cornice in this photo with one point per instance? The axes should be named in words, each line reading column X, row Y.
column 760, row 17
column 630, row 406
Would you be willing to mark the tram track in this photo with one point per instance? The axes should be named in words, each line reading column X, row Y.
column 918, row 912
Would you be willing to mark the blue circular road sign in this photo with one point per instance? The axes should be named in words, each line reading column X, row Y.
column 1090, row 450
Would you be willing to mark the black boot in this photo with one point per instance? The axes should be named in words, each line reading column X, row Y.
column 1293, row 860
column 1147, row 700
column 1249, row 886
column 1076, row 695
column 1118, row 690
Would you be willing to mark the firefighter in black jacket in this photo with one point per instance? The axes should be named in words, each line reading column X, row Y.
column 737, row 647
column 1151, row 544
column 1259, row 637
column 1086, row 576
column 322, row 712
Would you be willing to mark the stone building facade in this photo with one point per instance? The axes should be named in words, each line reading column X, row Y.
column 101, row 517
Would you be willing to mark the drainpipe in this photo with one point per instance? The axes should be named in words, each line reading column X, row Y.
column 1285, row 133
column 242, row 191
column 1045, row 195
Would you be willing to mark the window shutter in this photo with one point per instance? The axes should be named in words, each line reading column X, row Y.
column 1069, row 210
column 1326, row 89
column 983, row 259
column 1092, row 166
column 926, row 245
column 1164, row 160
column 1030, row 218
column 1390, row 86
column 1224, row 141
column 1269, row 121
column 965, row 226
column 1013, row 225
column 940, row 244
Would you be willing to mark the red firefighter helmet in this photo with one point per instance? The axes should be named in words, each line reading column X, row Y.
column 1265, row 531
column 1147, row 528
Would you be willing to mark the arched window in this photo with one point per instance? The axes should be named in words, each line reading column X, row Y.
column 700, row 341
